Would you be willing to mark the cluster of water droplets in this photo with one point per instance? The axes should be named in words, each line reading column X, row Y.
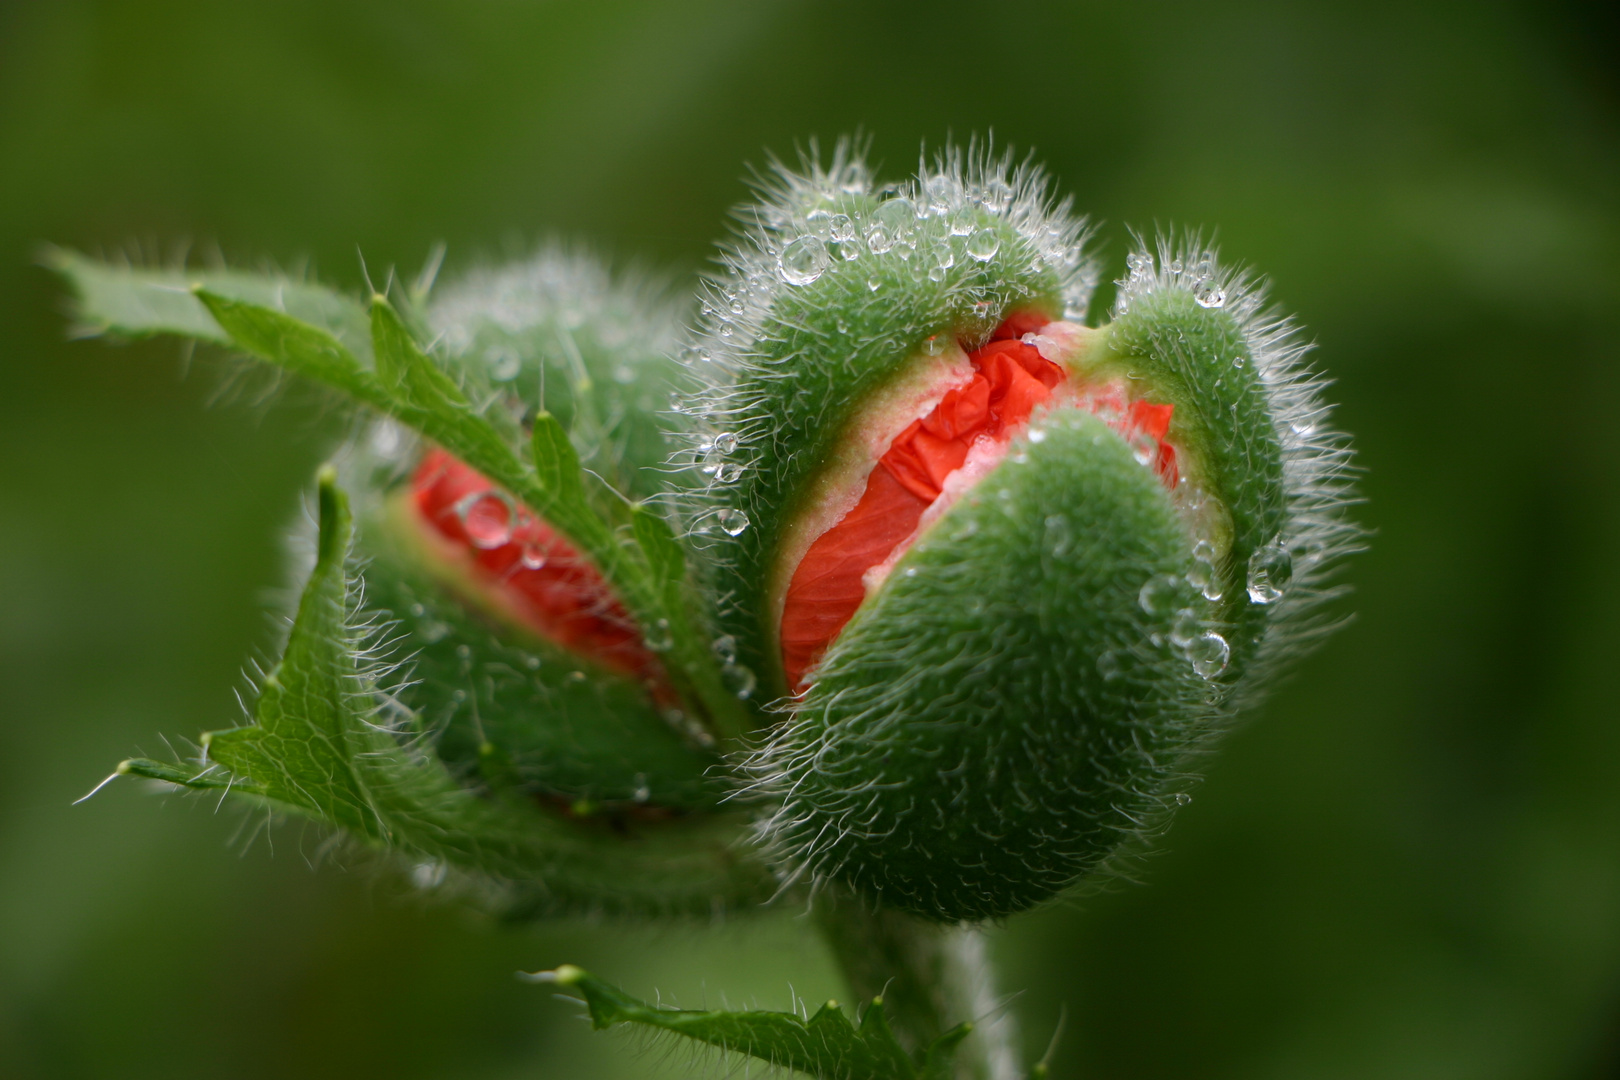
column 739, row 678
column 1191, row 630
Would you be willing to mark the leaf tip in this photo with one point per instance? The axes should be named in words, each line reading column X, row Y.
column 564, row 975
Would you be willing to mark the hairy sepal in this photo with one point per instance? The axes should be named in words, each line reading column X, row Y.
column 324, row 744
column 825, row 1045
column 1270, row 482
column 792, row 366
column 1004, row 712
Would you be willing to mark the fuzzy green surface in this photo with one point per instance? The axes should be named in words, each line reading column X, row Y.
column 561, row 725
column 825, row 349
column 1197, row 358
column 322, row 745
column 966, row 750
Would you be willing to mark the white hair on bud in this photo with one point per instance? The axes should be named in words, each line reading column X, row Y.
column 1318, row 466
column 798, row 205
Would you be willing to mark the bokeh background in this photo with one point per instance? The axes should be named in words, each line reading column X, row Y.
column 1406, row 865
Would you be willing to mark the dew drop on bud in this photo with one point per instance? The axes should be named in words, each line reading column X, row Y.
column 733, row 522
column 1202, row 576
column 983, row 245
column 725, row 442
column 487, row 518
column 725, row 649
column 1208, row 653
column 1108, row 666
column 1185, row 630
column 533, row 557
column 873, row 284
column 658, row 637
column 739, row 679
column 842, row 228
column 803, row 261
column 1271, row 567
column 1210, row 296
column 962, row 221
column 1159, row 595
column 1182, row 798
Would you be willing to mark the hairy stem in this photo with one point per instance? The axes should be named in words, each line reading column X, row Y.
column 931, row 978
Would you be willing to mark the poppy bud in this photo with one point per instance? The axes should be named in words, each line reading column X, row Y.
column 1005, row 572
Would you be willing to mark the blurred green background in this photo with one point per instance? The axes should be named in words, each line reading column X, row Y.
column 1407, row 865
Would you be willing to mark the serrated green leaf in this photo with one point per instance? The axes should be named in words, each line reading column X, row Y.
column 298, row 750
column 556, row 463
column 826, row 1045
column 290, row 343
column 135, row 302
column 317, row 747
column 170, row 773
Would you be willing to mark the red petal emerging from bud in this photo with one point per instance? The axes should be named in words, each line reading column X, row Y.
column 525, row 568
column 1011, row 380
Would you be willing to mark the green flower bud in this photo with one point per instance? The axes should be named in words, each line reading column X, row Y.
column 1002, row 574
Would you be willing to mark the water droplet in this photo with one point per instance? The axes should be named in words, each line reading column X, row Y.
column 576, row 676
column 1182, row 798
column 531, row 662
column 1209, row 654
column 728, row 472
column 1186, row 628
column 803, row 261
column 1108, row 666
column 533, row 557
column 504, row 363
column 433, row 631
column 873, row 284
column 1141, row 266
column 1210, row 296
column 1144, row 448
column 842, row 228
column 487, row 518
column 911, row 571
column 895, row 216
column 983, row 245
column 934, row 344
column 850, row 250
column 418, row 610
column 642, row 792
column 947, row 257
column 1202, row 577
column 658, row 637
column 1037, row 434
column 1160, row 595
column 962, row 221
column 739, row 679
column 1271, row 567
column 997, row 195
column 936, row 274
column 386, row 438
column 1175, row 266
column 725, row 442
column 879, row 240
column 725, row 649
column 733, row 522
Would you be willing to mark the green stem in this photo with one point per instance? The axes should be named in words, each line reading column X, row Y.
column 931, row 978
